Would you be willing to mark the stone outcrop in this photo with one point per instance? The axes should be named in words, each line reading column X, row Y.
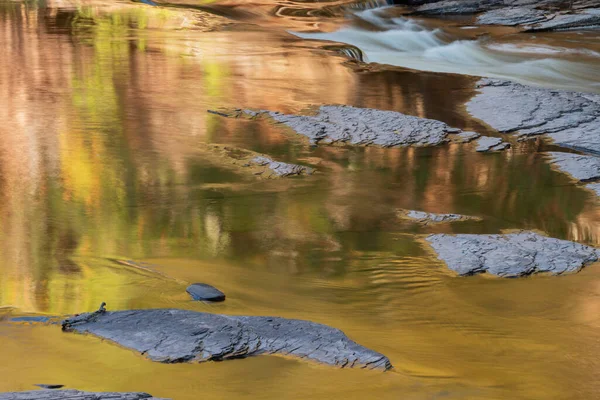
column 581, row 167
column 512, row 16
column 364, row 126
column 488, row 144
column 426, row 218
column 511, row 255
column 571, row 119
column 584, row 19
column 171, row 336
column 74, row 395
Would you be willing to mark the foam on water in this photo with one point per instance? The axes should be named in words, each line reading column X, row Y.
column 405, row 43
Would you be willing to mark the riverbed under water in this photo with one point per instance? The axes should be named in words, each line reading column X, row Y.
column 103, row 158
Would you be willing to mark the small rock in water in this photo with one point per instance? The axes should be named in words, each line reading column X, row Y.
column 487, row 144
column 48, row 386
column 426, row 218
column 204, row 292
column 74, row 395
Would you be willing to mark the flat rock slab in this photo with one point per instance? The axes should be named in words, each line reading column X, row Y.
column 364, row 126
column 581, row 167
column 171, row 336
column 427, row 218
column 488, row 144
column 281, row 169
column 511, row 255
column 74, row 395
column 512, row 16
column 571, row 119
column 204, row 292
column 584, row 19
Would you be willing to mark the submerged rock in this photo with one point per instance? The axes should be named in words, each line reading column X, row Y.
column 280, row 168
column 580, row 167
column 571, row 119
column 49, row 386
column 204, row 292
column 365, row 126
column 511, row 255
column 170, row 336
column 487, row 144
column 74, row 395
column 426, row 218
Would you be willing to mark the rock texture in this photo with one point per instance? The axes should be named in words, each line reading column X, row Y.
column 571, row 119
column 581, row 167
column 585, row 19
column 281, row 169
column 426, row 218
column 541, row 15
column 170, row 336
column 511, row 255
column 487, row 144
column 512, row 16
column 204, row 292
column 73, row 395
column 364, row 126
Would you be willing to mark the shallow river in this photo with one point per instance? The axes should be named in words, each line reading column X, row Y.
column 103, row 158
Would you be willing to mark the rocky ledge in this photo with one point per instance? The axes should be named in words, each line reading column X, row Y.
column 488, row 144
column 172, row 336
column 511, row 255
column 581, row 167
column 364, row 126
column 74, row 395
column 531, row 15
column 426, row 218
column 571, row 119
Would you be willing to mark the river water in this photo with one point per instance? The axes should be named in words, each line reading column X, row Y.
column 104, row 158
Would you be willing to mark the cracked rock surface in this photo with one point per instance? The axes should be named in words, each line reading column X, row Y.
column 487, row 144
column 74, row 395
column 512, row 16
column 171, row 335
column 511, row 255
column 281, row 169
column 581, row 167
column 585, row 19
column 571, row 119
column 364, row 126
column 427, row 218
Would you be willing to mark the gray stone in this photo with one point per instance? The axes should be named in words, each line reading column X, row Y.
column 489, row 144
column 511, row 255
column 512, row 16
column 457, row 7
column 571, row 119
column 580, row 167
column 427, row 218
column 74, row 395
column 280, row 168
column 584, row 19
column 594, row 187
column 364, row 126
column 171, row 336
column 204, row 292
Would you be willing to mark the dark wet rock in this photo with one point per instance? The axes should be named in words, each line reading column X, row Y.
column 571, row 119
column 584, row 19
column 427, row 218
column 170, row 336
column 581, row 167
column 49, row 386
column 280, row 168
column 73, row 395
column 365, row 126
column 204, row 292
column 512, row 16
column 487, row 144
column 511, row 255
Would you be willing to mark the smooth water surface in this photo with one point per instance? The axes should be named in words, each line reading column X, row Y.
column 108, row 193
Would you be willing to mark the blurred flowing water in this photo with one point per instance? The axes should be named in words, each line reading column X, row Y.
column 103, row 158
